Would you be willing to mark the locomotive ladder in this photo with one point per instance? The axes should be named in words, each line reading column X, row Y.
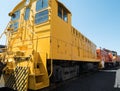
column 18, row 80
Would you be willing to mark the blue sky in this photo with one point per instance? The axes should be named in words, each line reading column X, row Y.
column 99, row 20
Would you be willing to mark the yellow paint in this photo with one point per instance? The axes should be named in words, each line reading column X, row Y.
column 54, row 39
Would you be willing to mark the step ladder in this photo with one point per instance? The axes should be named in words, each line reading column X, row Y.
column 18, row 80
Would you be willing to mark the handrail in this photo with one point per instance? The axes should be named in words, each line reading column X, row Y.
column 51, row 68
column 4, row 30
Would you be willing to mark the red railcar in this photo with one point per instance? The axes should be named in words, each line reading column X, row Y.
column 118, row 58
column 108, row 58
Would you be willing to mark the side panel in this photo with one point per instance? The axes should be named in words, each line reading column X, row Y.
column 66, row 42
column 60, row 35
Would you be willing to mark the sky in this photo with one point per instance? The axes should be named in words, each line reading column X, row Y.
column 98, row 20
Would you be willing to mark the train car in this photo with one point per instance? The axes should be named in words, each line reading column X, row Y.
column 118, row 60
column 112, row 58
column 43, row 46
column 103, row 56
column 108, row 58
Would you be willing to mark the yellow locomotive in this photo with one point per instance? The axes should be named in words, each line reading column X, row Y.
column 43, row 46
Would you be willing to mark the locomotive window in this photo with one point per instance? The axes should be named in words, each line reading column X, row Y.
column 65, row 16
column 16, row 15
column 41, row 17
column 41, row 4
column 114, row 54
column 60, row 12
column 14, row 26
column 27, row 13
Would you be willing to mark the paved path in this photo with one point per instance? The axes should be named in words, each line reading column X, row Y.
column 100, row 81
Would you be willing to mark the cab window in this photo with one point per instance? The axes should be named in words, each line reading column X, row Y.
column 16, row 15
column 27, row 14
column 14, row 26
column 41, row 4
column 62, row 13
column 41, row 17
column 65, row 18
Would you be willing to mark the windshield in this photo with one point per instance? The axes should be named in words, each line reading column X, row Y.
column 16, row 15
column 27, row 14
